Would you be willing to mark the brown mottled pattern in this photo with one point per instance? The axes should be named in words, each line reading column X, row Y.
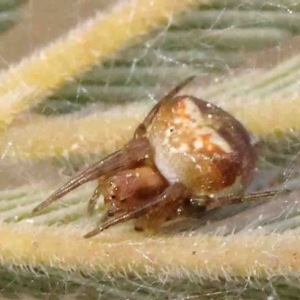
column 212, row 167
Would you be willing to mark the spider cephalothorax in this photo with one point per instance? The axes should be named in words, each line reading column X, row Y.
column 186, row 151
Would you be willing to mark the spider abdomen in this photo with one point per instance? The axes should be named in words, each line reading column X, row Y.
column 201, row 146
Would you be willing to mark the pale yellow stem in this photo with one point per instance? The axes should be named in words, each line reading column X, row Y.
column 42, row 137
column 266, row 118
column 34, row 78
column 239, row 255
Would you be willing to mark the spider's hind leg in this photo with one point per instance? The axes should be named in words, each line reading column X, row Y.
column 211, row 203
column 142, row 128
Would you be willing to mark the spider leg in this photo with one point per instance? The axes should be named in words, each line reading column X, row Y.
column 131, row 155
column 141, row 130
column 155, row 218
column 111, row 212
column 93, row 200
column 177, row 88
column 172, row 193
column 234, row 199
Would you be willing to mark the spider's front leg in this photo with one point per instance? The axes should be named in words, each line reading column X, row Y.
column 128, row 189
column 173, row 196
column 133, row 154
column 93, row 200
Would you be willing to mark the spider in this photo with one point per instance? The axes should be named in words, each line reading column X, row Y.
column 186, row 154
